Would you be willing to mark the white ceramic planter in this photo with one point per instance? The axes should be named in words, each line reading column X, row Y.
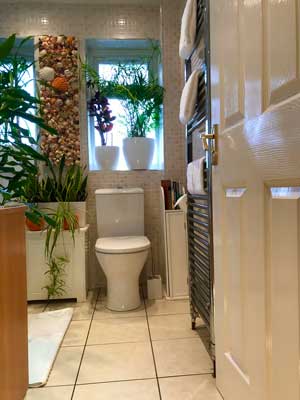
column 107, row 157
column 78, row 207
column 138, row 152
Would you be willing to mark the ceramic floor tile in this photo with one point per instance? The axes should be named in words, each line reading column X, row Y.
column 101, row 312
column 77, row 333
column 53, row 306
column 35, row 308
column 66, row 366
column 198, row 387
column 133, row 390
column 118, row 330
column 181, row 357
column 116, row 362
column 171, row 327
column 81, row 311
column 50, row 393
column 163, row 307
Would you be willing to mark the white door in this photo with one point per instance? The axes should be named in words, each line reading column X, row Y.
column 256, row 188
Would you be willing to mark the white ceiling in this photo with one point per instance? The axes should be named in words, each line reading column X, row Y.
column 106, row 2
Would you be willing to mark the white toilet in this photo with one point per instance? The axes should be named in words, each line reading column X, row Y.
column 122, row 248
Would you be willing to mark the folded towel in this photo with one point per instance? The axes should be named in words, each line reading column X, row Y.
column 188, row 29
column 195, row 176
column 189, row 98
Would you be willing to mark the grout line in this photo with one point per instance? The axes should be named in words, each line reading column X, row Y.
column 143, row 379
column 45, row 308
column 168, row 314
column 183, row 375
column 177, row 338
column 127, row 380
column 91, row 321
column 105, row 344
column 151, row 344
column 118, row 381
column 47, row 386
column 117, row 317
column 115, row 343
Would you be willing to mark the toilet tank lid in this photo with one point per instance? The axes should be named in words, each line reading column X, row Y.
column 120, row 191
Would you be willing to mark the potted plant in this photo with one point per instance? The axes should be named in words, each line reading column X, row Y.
column 51, row 195
column 64, row 184
column 98, row 107
column 21, row 157
column 141, row 97
column 142, row 106
column 19, row 149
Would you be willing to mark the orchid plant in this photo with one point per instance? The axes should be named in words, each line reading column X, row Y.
column 98, row 107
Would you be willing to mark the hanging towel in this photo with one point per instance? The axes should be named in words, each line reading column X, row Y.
column 195, row 176
column 188, row 29
column 189, row 98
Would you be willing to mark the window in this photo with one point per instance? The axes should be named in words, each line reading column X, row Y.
column 104, row 56
column 26, row 80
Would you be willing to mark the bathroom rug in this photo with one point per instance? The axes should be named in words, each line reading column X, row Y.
column 45, row 333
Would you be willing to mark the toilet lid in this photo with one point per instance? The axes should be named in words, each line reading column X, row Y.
column 123, row 244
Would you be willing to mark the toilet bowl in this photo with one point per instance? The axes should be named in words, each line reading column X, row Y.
column 122, row 260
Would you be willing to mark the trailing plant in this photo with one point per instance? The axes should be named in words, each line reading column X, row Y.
column 56, row 272
column 63, row 217
column 19, row 149
column 140, row 94
column 98, row 108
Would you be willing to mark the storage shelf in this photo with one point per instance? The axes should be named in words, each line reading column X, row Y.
column 176, row 251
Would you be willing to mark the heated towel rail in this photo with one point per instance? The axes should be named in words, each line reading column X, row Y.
column 200, row 218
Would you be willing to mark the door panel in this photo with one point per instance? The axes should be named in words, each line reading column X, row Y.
column 234, row 276
column 256, row 216
column 282, row 49
column 282, row 230
column 252, row 27
column 233, row 66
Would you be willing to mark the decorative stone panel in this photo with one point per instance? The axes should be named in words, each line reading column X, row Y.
column 59, row 89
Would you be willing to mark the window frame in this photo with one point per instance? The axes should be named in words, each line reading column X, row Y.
column 106, row 55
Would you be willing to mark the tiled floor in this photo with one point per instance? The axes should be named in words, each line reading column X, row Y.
column 147, row 354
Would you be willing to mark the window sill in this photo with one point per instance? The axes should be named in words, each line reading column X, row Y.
column 154, row 170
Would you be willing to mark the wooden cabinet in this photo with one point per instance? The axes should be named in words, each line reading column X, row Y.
column 13, row 305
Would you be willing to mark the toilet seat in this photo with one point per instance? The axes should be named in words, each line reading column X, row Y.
column 122, row 244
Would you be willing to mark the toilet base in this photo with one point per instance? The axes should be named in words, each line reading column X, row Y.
column 122, row 273
column 125, row 298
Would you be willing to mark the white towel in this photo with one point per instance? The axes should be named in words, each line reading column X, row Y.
column 189, row 98
column 188, row 29
column 182, row 203
column 195, row 176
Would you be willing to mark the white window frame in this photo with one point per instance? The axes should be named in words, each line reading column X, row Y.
column 104, row 55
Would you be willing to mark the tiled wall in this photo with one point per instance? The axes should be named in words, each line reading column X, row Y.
column 130, row 23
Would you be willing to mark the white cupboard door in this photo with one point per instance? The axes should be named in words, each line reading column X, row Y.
column 256, row 197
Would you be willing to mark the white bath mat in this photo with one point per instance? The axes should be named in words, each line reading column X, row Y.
column 45, row 334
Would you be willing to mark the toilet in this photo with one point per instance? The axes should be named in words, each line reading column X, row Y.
column 121, row 247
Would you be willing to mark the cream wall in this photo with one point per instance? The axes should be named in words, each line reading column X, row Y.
column 130, row 22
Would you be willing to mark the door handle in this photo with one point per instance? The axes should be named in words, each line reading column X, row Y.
column 214, row 138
